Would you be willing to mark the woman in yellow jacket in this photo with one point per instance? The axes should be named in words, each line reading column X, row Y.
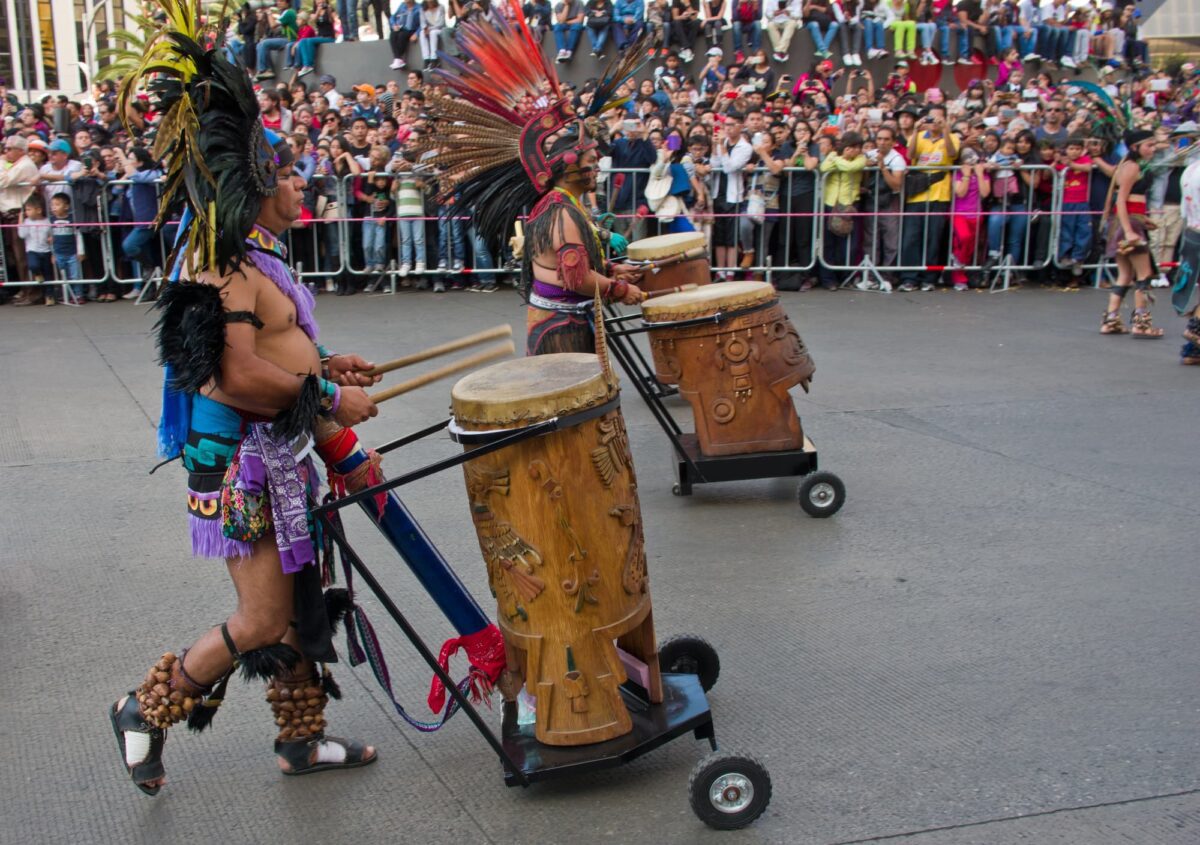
column 843, row 183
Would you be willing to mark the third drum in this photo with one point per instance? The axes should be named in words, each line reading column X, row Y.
column 734, row 354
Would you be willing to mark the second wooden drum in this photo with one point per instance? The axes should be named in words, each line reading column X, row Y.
column 671, row 249
column 735, row 368
column 560, row 528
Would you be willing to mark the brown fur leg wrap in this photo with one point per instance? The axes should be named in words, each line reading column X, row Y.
column 299, row 707
column 166, row 696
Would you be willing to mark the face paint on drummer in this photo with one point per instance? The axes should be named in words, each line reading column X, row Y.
column 584, row 174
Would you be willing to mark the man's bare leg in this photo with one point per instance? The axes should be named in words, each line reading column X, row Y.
column 262, row 617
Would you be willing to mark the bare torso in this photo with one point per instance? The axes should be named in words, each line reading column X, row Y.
column 280, row 341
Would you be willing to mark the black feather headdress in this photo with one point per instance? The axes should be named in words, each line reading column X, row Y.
column 218, row 158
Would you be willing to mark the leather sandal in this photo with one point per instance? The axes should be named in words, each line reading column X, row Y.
column 299, row 754
column 1112, row 323
column 1142, row 326
column 128, row 717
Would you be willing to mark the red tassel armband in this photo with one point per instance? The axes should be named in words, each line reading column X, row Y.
column 573, row 266
column 616, row 290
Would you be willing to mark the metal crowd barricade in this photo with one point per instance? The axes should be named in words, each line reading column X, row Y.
column 317, row 246
column 864, row 253
column 784, row 242
column 117, row 229
column 48, row 190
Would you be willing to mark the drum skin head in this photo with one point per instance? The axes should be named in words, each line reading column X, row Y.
column 662, row 246
column 524, row 391
column 707, row 300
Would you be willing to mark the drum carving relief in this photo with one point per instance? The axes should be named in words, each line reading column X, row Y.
column 510, row 560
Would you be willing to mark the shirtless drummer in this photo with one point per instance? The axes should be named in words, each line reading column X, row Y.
column 245, row 380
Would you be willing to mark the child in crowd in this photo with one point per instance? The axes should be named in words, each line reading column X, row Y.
column 66, row 244
column 1075, row 232
column 410, row 208
column 452, row 246
column 34, row 231
column 1004, row 178
column 971, row 187
column 374, row 227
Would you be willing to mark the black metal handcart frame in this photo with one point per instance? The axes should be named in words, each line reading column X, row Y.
column 821, row 494
column 727, row 790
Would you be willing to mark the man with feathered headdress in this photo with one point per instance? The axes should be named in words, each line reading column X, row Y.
column 507, row 143
column 245, row 379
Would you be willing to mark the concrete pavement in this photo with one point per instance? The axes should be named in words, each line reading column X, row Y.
column 995, row 641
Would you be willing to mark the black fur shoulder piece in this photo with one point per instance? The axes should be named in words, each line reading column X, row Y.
column 191, row 333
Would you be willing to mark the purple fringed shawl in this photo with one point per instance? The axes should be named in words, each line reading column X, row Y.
column 266, row 462
column 269, row 255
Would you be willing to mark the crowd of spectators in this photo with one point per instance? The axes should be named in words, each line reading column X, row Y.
column 810, row 176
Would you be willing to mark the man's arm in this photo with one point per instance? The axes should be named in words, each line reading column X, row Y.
column 951, row 147
column 737, row 158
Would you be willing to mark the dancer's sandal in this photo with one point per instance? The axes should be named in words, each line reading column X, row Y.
column 126, row 717
column 302, row 755
column 1112, row 323
column 1142, row 326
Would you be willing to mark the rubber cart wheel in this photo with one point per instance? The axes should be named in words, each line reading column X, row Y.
column 688, row 654
column 821, row 494
column 729, row 791
column 676, row 490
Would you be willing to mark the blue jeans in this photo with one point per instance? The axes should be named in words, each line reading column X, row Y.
column 135, row 244
column 1075, row 231
column 926, row 31
column 264, row 48
column 624, row 35
column 598, row 36
column 873, row 37
column 483, row 257
column 566, row 36
column 1026, row 44
column 821, row 43
column 347, row 12
column 412, row 241
column 744, row 31
column 69, row 270
column 374, row 242
column 1002, row 37
column 1007, row 232
column 1052, row 41
column 306, row 50
column 451, row 246
column 943, row 31
column 963, row 36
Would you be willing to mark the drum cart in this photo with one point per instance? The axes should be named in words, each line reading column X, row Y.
column 820, row 494
column 727, row 791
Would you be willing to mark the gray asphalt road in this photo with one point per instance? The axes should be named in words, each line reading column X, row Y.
column 995, row 641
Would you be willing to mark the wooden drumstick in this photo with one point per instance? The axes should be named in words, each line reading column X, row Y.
column 502, row 350
column 442, row 349
column 664, row 292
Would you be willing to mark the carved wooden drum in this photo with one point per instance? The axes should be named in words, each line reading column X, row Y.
column 673, row 251
column 734, row 354
column 560, row 528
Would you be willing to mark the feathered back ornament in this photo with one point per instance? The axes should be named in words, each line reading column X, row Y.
column 217, row 157
column 504, row 113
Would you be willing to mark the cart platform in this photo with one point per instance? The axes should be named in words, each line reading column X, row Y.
column 684, row 708
column 693, row 467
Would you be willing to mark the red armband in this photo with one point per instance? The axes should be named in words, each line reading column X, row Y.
column 617, row 290
column 573, row 267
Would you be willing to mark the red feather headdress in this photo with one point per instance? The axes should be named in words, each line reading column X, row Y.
column 503, row 109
